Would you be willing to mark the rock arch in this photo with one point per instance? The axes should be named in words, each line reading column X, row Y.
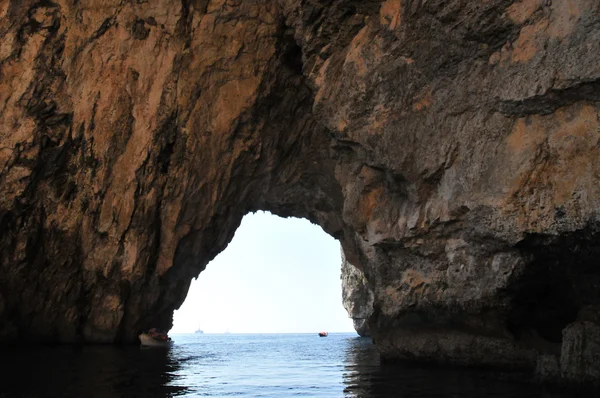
column 447, row 145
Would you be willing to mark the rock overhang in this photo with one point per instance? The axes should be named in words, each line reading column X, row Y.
column 449, row 147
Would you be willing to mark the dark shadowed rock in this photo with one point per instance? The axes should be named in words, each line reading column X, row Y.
column 580, row 354
column 450, row 146
column 547, row 368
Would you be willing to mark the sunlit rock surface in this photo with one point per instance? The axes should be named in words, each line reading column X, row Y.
column 451, row 147
column 357, row 297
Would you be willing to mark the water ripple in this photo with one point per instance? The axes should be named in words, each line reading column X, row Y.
column 341, row 365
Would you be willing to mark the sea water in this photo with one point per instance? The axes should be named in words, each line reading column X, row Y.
column 252, row 365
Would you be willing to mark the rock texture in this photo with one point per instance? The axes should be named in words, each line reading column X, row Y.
column 357, row 297
column 450, row 145
column 579, row 358
column 580, row 354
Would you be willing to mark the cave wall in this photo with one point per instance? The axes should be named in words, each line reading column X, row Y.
column 135, row 136
column 449, row 145
column 357, row 297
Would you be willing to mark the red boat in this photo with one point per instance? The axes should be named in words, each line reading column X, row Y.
column 323, row 334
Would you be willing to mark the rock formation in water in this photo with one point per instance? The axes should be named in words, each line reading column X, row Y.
column 357, row 297
column 450, row 145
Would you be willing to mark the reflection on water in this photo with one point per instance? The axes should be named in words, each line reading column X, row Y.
column 366, row 377
column 243, row 365
column 91, row 371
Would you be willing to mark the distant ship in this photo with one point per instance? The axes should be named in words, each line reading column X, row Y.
column 200, row 331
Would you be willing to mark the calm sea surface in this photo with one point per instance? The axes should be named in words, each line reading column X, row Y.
column 278, row 365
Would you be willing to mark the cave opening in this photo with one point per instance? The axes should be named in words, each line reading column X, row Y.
column 277, row 275
column 560, row 284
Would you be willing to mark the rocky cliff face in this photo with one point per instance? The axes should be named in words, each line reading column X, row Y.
column 357, row 297
column 450, row 146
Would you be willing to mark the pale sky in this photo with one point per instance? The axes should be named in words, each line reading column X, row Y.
column 278, row 275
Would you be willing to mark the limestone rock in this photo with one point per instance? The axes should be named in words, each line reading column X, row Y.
column 357, row 297
column 580, row 354
column 547, row 368
column 450, row 146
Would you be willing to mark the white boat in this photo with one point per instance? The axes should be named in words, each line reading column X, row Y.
column 149, row 341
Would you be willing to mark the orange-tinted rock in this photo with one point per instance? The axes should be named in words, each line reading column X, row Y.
column 451, row 147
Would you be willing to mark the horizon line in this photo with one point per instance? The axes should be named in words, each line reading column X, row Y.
column 260, row 332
